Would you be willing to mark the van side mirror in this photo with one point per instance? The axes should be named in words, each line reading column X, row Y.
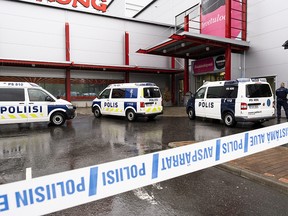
column 48, row 98
column 189, row 93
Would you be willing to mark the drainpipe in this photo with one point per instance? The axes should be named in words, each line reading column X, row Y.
column 68, row 73
column 127, row 55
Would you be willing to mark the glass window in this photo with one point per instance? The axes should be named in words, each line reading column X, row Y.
column 105, row 94
column 118, row 93
column 88, row 89
column 215, row 92
column 37, row 95
column 230, row 92
column 152, row 93
column 200, row 93
column 10, row 94
column 131, row 93
column 56, row 89
column 258, row 90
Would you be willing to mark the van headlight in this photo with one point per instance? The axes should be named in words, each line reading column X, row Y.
column 70, row 106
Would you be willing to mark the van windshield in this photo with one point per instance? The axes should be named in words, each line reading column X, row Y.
column 258, row 90
column 152, row 93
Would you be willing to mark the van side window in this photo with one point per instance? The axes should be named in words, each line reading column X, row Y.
column 10, row 94
column 118, row 93
column 105, row 94
column 215, row 92
column 230, row 91
column 152, row 93
column 37, row 95
column 200, row 93
column 258, row 90
column 131, row 92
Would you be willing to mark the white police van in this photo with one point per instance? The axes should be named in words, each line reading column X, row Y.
column 129, row 99
column 23, row 102
column 241, row 100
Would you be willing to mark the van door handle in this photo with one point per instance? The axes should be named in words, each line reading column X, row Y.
column 31, row 103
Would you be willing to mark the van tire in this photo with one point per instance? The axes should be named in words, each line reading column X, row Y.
column 229, row 119
column 58, row 119
column 191, row 114
column 130, row 115
column 97, row 112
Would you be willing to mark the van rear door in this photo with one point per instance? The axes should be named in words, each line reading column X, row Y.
column 12, row 106
column 152, row 99
column 260, row 100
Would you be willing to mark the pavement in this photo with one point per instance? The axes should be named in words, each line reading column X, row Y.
column 269, row 167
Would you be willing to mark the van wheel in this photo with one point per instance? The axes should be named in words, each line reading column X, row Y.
column 97, row 112
column 191, row 113
column 229, row 119
column 130, row 115
column 58, row 119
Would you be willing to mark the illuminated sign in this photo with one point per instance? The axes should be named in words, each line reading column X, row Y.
column 203, row 65
column 213, row 16
column 93, row 6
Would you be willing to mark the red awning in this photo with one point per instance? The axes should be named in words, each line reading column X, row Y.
column 81, row 66
column 195, row 46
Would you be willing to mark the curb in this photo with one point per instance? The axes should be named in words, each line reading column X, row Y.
column 250, row 175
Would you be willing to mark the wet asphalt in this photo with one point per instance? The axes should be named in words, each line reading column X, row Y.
column 86, row 141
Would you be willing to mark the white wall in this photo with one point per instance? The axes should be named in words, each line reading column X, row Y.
column 267, row 31
column 31, row 32
column 164, row 11
column 34, row 32
column 237, row 69
column 116, row 8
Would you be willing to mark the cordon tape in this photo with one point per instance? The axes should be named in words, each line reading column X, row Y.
column 47, row 194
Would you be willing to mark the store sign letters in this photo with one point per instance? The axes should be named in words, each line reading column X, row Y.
column 86, row 3
column 82, row 5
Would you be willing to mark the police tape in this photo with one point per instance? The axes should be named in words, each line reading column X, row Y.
column 56, row 192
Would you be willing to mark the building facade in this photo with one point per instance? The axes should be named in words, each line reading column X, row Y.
column 50, row 45
column 266, row 32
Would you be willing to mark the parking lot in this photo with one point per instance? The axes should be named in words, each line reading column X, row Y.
column 86, row 141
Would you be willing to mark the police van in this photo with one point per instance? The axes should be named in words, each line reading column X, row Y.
column 131, row 100
column 23, row 102
column 241, row 100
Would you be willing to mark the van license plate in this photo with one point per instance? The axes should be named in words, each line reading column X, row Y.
column 253, row 106
column 149, row 104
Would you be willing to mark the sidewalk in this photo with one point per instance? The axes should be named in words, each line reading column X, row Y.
column 269, row 167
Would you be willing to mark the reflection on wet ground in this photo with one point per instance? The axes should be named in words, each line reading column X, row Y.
column 87, row 141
